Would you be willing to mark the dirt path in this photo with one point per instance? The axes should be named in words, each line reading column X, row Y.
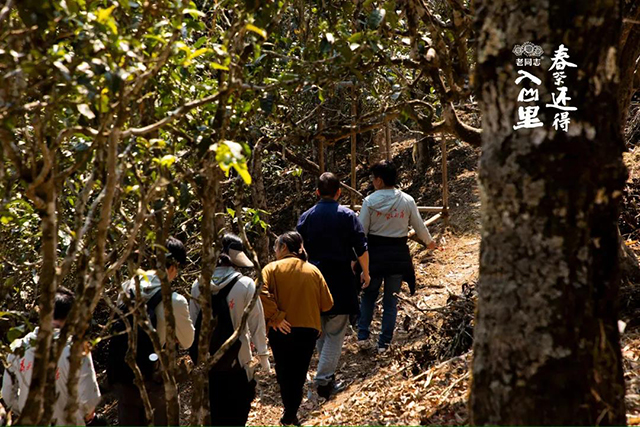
column 404, row 385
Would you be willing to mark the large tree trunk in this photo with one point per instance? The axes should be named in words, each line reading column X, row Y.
column 628, row 52
column 546, row 347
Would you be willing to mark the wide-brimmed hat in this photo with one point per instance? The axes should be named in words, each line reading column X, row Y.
column 232, row 246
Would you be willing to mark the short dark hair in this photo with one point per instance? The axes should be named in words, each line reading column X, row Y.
column 177, row 253
column 63, row 302
column 386, row 171
column 328, row 184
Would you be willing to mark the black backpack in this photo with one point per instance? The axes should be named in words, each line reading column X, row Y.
column 118, row 371
column 222, row 329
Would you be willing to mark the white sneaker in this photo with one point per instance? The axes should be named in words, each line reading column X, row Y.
column 382, row 349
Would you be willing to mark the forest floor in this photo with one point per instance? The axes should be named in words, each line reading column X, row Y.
column 410, row 384
column 424, row 378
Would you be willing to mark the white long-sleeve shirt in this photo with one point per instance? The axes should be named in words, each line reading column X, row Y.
column 149, row 285
column 15, row 394
column 239, row 297
column 390, row 212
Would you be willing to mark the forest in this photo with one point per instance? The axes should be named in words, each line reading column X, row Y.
column 154, row 144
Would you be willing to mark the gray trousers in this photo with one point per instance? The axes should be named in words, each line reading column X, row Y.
column 329, row 346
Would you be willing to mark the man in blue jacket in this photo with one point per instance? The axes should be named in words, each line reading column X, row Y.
column 333, row 238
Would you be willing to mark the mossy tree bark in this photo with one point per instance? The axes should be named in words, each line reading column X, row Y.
column 546, row 347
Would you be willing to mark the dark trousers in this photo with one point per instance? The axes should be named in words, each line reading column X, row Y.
column 131, row 408
column 230, row 397
column 292, row 353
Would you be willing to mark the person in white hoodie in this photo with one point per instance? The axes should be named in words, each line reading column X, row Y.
column 130, row 406
column 17, row 377
column 232, row 390
column 386, row 216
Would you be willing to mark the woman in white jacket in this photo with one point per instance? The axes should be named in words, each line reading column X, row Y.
column 232, row 392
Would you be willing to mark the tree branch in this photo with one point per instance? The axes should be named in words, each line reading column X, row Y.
column 174, row 115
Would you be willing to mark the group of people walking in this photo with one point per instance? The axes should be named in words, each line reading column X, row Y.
column 309, row 297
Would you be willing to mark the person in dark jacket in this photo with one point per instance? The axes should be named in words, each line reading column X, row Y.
column 386, row 216
column 334, row 237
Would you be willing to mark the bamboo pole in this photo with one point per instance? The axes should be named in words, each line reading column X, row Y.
column 427, row 223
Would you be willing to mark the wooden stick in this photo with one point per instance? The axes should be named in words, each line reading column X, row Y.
column 435, row 368
column 321, row 146
column 387, row 137
column 330, row 139
column 432, row 219
column 427, row 223
column 354, row 112
column 445, row 182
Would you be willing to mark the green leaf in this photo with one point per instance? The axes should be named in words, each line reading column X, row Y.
column 104, row 17
column 15, row 333
column 217, row 66
column 195, row 13
column 257, row 30
column 199, row 52
column 103, row 106
column 230, row 154
column 243, row 171
column 166, row 161
column 355, row 38
column 202, row 40
column 105, row 14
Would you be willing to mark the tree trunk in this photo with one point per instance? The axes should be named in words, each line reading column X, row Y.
column 422, row 153
column 259, row 201
column 34, row 407
column 628, row 51
column 209, row 193
column 546, row 345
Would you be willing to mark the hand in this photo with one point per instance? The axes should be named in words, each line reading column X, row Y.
column 283, row 326
column 432, row 245
column 264, row 363
column 365, row 279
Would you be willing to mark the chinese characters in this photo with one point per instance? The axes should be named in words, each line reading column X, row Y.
column 528, row 114
column 560, row 101
column 559, row 63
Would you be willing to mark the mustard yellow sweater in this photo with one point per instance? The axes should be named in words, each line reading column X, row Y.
column 296, row 291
